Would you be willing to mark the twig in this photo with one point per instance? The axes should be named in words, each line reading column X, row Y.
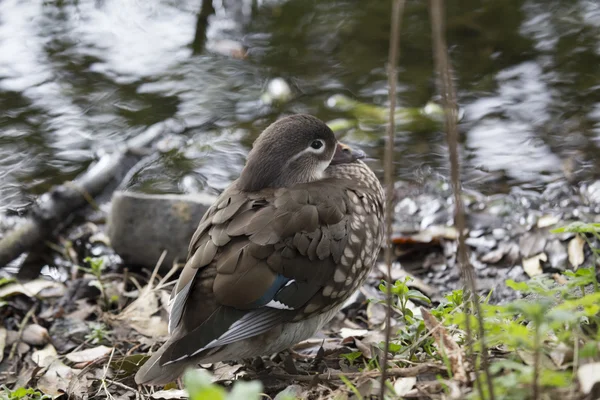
column 26, row 318
column 448, row 93
column 122, row 386
column 397, row 10
column 395, row 372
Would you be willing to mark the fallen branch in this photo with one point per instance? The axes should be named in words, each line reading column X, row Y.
column 395, row 372
column 53, row 208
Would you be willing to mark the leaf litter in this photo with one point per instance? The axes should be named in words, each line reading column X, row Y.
column 88, row 340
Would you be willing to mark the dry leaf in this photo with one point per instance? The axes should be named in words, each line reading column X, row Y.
column 225, row 372
column 575, row 250
column 561, row 354
column 349, row 332
column 139, row 315
column 533, row 265
column 89, row 355
column 57, row 378
column 170, row 394
column 528, row 358
column 376, row 314
column 588, row 376
column 547, row 220
column 446, row 343
column 33, row 288
column 404, row 385
column 45, row 356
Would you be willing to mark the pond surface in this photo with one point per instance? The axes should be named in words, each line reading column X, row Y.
column 79, row 77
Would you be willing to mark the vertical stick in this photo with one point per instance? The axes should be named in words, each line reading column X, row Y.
column 397, row 9
column 446, row 89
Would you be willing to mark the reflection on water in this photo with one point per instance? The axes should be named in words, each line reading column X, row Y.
column 78, row 77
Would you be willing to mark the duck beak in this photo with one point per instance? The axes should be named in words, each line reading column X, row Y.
column 345, row 154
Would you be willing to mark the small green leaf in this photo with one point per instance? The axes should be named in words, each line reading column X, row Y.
column 246, row 391
column 199, row 386
column 416, row 295
column 351, row 357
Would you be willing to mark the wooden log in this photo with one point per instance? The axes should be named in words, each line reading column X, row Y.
column 53, row 208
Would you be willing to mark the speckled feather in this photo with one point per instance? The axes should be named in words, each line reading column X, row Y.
column 262, row 262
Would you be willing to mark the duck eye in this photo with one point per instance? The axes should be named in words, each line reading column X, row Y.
column 316, row 144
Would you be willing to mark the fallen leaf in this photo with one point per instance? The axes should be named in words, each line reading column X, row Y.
column 547, row 220
column 533, row 265
column 561, row 354
column 45, row 356
column 446, row 343
column 588, row 376
column 170, row 394
column 364, row 348
column 376, row 314
column 89, row 355
column 57, row 378
column 225, row 372
column 126, row 366
column 139, row 315
column 528, row 358
column 38, row 287
column 404, row 385
column 575, row 250
column 349, row 332
column 311, row 347
column 78, row 388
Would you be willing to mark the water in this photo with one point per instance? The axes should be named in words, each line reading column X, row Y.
column 79, row 77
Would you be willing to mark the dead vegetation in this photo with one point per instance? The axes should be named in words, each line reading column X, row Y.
column 87, row 337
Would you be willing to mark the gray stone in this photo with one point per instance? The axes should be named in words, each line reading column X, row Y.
column 532, row 243
column 141, row 226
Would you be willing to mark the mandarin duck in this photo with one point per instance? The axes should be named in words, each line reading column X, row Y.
column 277, row 254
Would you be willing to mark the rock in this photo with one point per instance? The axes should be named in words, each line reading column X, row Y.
column 141, row 226
column 557, row 254
column 406, row 207
column 35, row 335
column 532, row 243
column 68, row 333
column 481, row 243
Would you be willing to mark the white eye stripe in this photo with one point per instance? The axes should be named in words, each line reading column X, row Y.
column 309, row 149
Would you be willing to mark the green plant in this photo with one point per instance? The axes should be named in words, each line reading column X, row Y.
column 99, row 333
column 21, row 394
column 352, row 357
column 199, row 385
column 551, row 316
column 408, row 337
column 96, row 267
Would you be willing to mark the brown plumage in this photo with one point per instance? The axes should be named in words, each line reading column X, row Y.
column 277, row 254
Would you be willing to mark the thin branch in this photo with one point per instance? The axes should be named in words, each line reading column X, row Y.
column 24, row 322
column 417, row 370
column 446, row 88
column 394, row 51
